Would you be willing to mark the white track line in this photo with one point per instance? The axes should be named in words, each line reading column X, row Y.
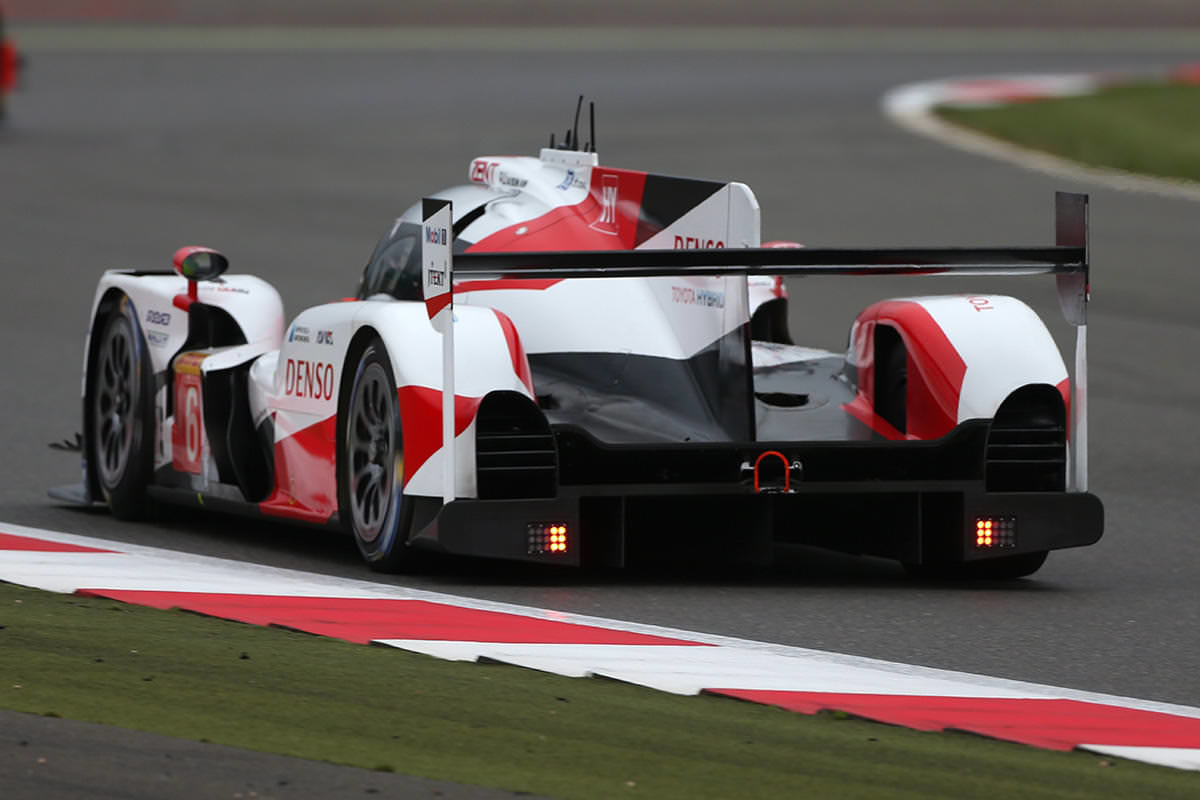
column 911, row 107
column 728, row 663
column 164, row 570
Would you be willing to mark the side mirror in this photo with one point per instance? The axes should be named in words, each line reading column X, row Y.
column 197, row 264
column 200, row 263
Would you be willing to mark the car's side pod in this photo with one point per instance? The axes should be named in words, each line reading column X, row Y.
column 926, row 364
column 490, row 359
column 236, row 310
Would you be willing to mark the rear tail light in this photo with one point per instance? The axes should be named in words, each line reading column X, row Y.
column 546, row 537
column 995, row 532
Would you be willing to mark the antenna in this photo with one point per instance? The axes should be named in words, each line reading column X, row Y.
column 570, row 139
column 592, row 124
column 578, row 108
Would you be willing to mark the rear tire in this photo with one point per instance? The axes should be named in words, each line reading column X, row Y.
column 120, row 395
column 770, row 323
column 371, row 501
column 1006, row 568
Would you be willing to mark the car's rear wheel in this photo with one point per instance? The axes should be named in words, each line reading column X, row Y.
column 119, row 399
column 891, row 390
column 1006, row 568
column 770, row 324
column 371, row 500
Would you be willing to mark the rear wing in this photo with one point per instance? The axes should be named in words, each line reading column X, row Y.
column 1067, row 260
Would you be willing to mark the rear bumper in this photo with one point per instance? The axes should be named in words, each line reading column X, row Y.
column 927, row 525
column 919, row 502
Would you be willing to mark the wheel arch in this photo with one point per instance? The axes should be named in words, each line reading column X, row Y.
column 489, row 358
column 965, row 355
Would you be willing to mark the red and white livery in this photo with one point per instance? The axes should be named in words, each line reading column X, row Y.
column 565, row 362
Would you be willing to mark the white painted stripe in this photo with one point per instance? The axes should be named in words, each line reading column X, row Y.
column 161, row 570
column 1178, row 757
column 683, row 669
column 66, row 572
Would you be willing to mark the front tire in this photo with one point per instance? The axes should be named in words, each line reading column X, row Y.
column 120, row 413
column 371, row 500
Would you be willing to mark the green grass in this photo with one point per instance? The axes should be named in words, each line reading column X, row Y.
column 1152, row 129
column 188, row 676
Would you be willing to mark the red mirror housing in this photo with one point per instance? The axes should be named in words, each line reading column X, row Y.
column 199, row 263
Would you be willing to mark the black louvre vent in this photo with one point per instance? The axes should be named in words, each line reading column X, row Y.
column 515, row 455
column 1027, row 445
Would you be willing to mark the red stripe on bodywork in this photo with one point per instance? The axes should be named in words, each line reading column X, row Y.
column 526, row 284
column 435, row 304
column 421, row 417
column 1064, row 389
column 363, row 620
column 10, row 541
column 306, row 461
column 932, row 402
column 305, row 474
column 860, row 408
column 591, row 224
column 1055, row 724
column 935, row 369
column 520, row 363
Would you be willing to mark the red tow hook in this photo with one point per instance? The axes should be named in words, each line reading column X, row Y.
column 787, row 470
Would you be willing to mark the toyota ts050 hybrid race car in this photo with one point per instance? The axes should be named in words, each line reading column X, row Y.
column 557, row 362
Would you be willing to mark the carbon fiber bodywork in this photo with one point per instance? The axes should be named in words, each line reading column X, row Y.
column 629, row 482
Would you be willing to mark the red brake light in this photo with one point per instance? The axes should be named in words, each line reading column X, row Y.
column 997, row 531
column 546, row 537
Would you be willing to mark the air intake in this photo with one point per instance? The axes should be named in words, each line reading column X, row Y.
column 515, row 456
column 1027, row 444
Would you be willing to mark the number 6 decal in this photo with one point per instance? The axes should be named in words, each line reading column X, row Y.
column 187, row 439
column 191, row 415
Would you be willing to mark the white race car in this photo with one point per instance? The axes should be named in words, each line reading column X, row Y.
column 620, row 379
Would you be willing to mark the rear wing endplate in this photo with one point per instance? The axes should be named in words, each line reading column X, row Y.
column 1067, row 260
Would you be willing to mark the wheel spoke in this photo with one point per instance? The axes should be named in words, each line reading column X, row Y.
column 371, row 400
column 362, row 426
column 365, row 476
column 112, row 448
column 371, row 506
column 118, row 356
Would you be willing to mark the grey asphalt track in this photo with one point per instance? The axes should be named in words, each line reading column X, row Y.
column 292, row 162
column 44, row 757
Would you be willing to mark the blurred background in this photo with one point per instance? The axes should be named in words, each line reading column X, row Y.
column 907, row 13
